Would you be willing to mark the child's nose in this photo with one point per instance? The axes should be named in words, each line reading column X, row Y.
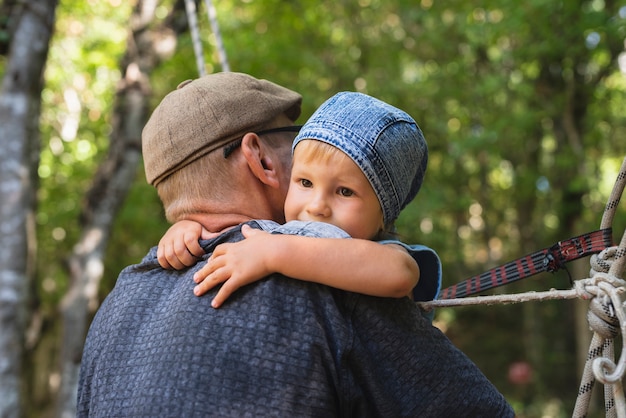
column 318, row 207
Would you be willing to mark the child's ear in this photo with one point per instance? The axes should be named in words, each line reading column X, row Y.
column 259, row 160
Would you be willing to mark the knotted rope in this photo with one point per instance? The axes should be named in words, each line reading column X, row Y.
column 606, row 315
column 606, row 319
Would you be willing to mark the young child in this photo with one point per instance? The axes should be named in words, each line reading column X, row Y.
column 357, row 162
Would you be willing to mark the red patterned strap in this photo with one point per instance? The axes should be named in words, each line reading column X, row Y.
column 549, row 259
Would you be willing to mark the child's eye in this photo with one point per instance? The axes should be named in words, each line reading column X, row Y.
column 345, row 192
column 306, row 183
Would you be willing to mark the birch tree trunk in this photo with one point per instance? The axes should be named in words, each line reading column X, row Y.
column 20, row 106
column 145, row 49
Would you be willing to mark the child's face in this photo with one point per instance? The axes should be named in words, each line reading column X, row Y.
column 332, row 190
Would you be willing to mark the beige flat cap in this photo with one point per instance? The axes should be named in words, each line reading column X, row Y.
column 207, row 113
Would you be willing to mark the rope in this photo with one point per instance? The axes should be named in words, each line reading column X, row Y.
column 192, row 18
column 606, row 315
column 194, row 28
column 549, row 259
column 218, row 36
column 607, row 320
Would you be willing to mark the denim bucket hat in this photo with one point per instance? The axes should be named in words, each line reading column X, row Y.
column 384, row 141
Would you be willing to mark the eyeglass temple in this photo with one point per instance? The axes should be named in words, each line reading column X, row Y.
column 228, row 149
column 295, row 128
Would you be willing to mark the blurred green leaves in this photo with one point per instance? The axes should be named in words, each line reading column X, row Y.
column 521, row 104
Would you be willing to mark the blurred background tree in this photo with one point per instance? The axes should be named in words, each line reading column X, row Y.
column 521, row 104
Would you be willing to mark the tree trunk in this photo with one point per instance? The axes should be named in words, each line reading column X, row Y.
column 20, row 104
column 109, row 189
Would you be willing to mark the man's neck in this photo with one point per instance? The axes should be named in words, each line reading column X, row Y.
column 218, row 223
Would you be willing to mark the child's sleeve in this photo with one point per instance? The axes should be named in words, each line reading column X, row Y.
column 429, row 284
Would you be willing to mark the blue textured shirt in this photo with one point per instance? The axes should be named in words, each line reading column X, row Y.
column 279, row 347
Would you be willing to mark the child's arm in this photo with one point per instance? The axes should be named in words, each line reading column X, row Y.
column 350, row 264
column 179, row 247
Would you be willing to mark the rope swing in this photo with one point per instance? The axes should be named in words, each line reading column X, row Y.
column 604, row 290
column 194, row 28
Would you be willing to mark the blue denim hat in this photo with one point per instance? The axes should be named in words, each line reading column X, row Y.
column 384, row 141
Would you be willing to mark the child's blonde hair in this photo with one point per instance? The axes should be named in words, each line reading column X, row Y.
column 319, row 151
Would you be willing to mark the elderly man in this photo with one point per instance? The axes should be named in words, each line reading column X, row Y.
column 218, row 151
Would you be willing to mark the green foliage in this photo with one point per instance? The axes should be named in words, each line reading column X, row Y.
column 139, row 226
column 90, row 37
column 521, row 104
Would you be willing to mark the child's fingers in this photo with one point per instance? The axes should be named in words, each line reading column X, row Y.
column 162, row 258
column 204, row 272
column 182, row 256
column 164, row 264
column 203, row 287
column 208, row 277
column 247, row 231
column 206, row 234
column 193, row 246
column 220, row 250
column 166, row 255
column 227, row 289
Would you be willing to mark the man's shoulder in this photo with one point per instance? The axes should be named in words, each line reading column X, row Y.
column 273, row 331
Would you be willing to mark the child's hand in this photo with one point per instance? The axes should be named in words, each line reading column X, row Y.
column 179, row 247
column 234, row 264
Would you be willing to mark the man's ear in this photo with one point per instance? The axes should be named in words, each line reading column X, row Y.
column 259, row 161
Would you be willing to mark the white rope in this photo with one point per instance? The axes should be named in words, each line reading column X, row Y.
column 551, row 294
column 192, row 18
column 221, row 51
column 606, row 315
column 194, row 29
column 607, row 319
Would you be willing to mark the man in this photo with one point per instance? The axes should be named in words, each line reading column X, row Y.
column 217, row 149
